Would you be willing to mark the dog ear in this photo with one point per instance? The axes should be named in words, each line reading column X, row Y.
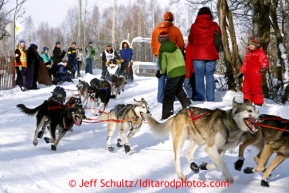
column 142, row 99
column 247, row 101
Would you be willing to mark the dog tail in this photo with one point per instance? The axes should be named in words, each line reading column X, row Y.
column 26, row 110
column 159, row 129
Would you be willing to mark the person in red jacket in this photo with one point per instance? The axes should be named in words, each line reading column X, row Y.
column 254, row 65
column 204, row 54
column 190, row 82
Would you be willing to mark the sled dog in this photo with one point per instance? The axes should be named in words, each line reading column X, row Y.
column 269, row 139
column 82, row 88
column 117, row 84
column 100, row 96
column 58, row 115
column 217, row 129
column 128, row 118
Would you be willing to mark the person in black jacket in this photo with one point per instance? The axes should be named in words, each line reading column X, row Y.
column 37, row 61
column 29, row 73
column 58, row 55
column 107, row 55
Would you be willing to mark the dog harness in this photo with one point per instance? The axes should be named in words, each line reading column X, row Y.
column 194, row 118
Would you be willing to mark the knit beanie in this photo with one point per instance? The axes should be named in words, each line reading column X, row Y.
column 254, row 40
column 168, row 16
column 45, row 48
column 163, row 37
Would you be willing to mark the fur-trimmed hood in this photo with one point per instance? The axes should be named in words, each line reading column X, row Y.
column 124, row 41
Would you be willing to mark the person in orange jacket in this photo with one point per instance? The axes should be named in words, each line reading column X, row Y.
column 175, row 36
column 254, row 65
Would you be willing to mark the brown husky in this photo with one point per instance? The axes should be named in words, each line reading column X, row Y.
column 273, row 137
column 219, row 130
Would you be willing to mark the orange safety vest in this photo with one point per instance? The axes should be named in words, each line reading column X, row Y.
column 23, row 59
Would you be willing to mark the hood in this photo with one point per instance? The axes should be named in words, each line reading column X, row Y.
column 124, row 41
column 168, row 47
column 164, row 25
column 204, row 21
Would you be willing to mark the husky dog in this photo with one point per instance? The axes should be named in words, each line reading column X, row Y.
column 219, row 130
column 82, row 88
column 273, row 137
column 129, row 118
column 95, row 83
column 117, row 83
column 62, row 117
column 100, row 95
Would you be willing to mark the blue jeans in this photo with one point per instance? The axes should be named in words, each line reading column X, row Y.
column 79, row 64
column 161, row 84
column 88, row 67
column 205, row 68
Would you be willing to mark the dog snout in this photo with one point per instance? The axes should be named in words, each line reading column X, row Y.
column 148, row 112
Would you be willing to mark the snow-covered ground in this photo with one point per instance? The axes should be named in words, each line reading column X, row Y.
column 82, row 157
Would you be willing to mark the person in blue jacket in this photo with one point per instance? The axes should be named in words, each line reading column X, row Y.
column 63, row 73
column 126, row 54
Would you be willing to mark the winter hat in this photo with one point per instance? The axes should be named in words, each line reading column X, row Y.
column 57, row 42
column 254, row 40
column 163, row 37
column 73, row 43
column 45, row 48
column 168, row 16
column 22, row 41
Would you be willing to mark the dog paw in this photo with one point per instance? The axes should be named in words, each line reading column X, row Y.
column 194, row 167
column 110, row 149
column 249, row 170
column 203, row 166
column 35, row 143
column 238, row 164
column 182, row 177
column 264, row 183
column 126, row 148
column 119, row 143
column 40, row 134
column 47, row 140
column 230, row 180
column 122, row 90
column 53, row 147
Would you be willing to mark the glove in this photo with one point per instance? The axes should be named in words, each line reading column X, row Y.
column 263, row 70
column 131, row 61
column 106, row 63
column 20, row 67
column 121, row 60
column 158, row 74
column 118, row 61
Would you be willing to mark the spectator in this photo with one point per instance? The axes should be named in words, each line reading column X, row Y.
column 58, row 55
column 190, row 82
column 107, row 55
column 20, row 63
column 72, row 59
column 175, row 36
column 171, row 61
column 254, row 65
column 126, row 53
column 46, row 59
column 204, row 54
column 36, row 67
column 63, row 73
column 90, row 53
column 80, row 58
column 31, row 61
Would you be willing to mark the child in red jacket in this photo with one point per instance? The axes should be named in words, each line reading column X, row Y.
column 254, row 65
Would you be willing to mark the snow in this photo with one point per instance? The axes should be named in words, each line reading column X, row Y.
column 82, row 155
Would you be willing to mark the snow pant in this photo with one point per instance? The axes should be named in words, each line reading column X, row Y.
column 29, row 74
column 174, row 87
column 252, row 87
column 35, row 76
column 161, row 84
column 20, row 74
column 88, row 67
column 204, row 68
